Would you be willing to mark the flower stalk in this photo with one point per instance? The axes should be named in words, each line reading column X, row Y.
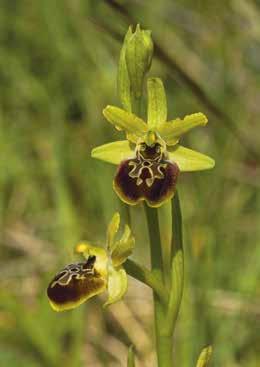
column 163, row 339
column 165, row 316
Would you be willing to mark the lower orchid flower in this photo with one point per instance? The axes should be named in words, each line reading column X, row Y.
column 101, row 271
column 150, row 160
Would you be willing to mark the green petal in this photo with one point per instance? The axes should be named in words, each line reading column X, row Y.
column 117, row 285
column 171, row 131
column 189, row 160
column 112, row 230
column 114, row 152
column 204, row 357
column 125, row 120
column 123, row 248
column 157, row 104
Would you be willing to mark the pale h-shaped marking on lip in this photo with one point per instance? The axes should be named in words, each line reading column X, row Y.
column 153, row 165
column 78, row 271
column 139, row 167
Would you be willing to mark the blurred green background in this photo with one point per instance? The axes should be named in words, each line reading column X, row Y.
column 58, row 64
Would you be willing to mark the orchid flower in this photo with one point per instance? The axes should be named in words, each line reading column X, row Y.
column 102, row 270
column 150, row 159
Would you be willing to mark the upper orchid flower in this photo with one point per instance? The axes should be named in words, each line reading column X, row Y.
column 151, row 158
column 102, row 270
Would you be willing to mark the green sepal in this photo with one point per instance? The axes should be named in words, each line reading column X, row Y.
column 123, row 248
column 112, row 230
column 123, row 82
column 131, row 357
column 114, row 152
column 138, row 56
column 189, row 160
column 204, row 357
column 125, row 120
column 171, row 131
column 157, row 104
column 117, row 285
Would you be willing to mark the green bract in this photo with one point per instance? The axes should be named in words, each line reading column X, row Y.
column 204, row 357
column 134, row 63
column 102, row 270
column 152, row 169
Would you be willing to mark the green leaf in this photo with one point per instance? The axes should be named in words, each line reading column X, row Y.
column 190, row 160
column 131, row 357
column 171, row 131
column 177, row 267
column 204, row 357
column 138, row 55
column 112, row 230
column 114, row 152
column 123, row 82
column 123, row 248
column 117, row 285
column 177, row 279
column 125, row 120
column 157, row 104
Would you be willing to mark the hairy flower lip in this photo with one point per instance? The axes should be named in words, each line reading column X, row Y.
column 149, row 176
column 75, row 284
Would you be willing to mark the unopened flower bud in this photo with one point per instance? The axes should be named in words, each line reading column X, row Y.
column 138, row 56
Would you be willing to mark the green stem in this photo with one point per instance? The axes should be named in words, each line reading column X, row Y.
column 165, row 224
column 163, row 338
